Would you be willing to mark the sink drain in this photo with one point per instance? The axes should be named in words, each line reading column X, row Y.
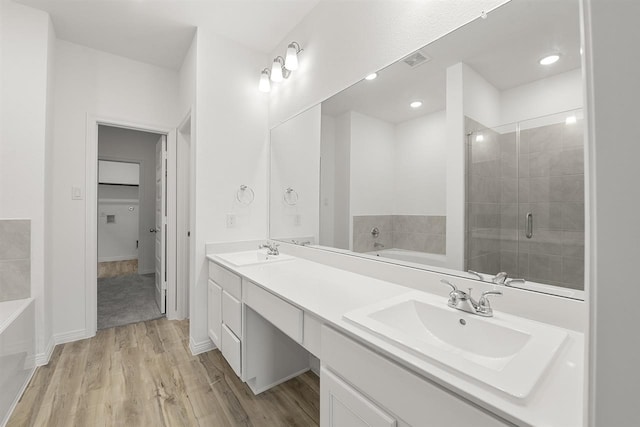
column 463, row 322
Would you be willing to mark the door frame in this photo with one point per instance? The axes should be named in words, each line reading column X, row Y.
column 91, row 212
column 185, row 212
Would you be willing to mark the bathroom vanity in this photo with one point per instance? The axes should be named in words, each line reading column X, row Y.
column 272, row 317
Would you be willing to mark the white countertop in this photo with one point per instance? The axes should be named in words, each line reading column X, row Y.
column 329, row 293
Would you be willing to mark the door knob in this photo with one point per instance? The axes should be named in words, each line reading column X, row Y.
column 153, row 230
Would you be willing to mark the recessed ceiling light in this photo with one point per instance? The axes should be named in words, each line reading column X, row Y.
column 548, row 60
column 416, row 104
column 371, row 76
column 570, row 120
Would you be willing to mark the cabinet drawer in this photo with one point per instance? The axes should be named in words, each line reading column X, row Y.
column 229, row 281
column 231, row 349
column 232, row 313
column 280, row 313
column 214, row 313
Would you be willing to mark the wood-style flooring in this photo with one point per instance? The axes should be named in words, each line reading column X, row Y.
column 144, row 375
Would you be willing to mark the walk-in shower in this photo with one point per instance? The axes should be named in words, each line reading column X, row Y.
column 525, row 199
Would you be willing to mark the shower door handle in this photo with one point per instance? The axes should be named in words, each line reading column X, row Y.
column 529, row 225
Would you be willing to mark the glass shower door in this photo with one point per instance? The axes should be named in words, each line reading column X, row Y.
column 525, row 200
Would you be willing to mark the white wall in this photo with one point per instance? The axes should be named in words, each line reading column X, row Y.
column 327, row 180
column 342, row 233
column 91, row 82
column 420, row 166
column 551, row 95
column 295, row 164
column 139, row 147
column 614, row 231
column 481, row 100
column 372, row 165
column 230, row 148
column 27, row 54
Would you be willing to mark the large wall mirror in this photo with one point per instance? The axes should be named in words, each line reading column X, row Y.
column 466, row 156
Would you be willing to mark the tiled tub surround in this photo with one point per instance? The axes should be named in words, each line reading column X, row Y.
column 420, row 233
column 541, row 172
column 15, row 259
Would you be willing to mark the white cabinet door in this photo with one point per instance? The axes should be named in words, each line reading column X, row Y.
column 343, row 406
column 214, row 312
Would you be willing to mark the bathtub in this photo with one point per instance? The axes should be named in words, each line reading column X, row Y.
column 17, row 347
column 424, row 258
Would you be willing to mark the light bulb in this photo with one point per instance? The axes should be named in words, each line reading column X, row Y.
column 570, row 120
column 416, row 104
column 264, row 85
column 479, row 137
column 291, row 61
column 276, row 71
column 371, row 76
column 548, row 60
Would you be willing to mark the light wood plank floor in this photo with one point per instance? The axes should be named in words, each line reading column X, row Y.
column 144, row 375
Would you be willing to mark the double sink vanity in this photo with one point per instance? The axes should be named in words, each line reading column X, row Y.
column 390, row 355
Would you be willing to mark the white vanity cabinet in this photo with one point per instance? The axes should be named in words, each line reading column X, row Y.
column 344, row 406
column 225, row 314
column 357, row 383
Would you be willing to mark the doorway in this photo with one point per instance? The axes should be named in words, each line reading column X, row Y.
column 132, row 226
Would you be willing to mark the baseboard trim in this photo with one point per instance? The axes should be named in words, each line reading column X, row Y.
column 44, row 357
column 200, row 347
column 71, row 336
column 17, row 398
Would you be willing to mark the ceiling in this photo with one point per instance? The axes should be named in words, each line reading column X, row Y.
column 504, row 49
column 160, row 32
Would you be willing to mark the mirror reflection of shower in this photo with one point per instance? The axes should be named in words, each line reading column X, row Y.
column 525, row 200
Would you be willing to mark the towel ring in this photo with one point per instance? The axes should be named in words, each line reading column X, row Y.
column 290, row 197
column 245, row 195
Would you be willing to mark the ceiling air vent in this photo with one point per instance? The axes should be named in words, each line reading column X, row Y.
column 416, row 59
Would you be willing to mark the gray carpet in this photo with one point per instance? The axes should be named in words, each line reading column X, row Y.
column 126, row 299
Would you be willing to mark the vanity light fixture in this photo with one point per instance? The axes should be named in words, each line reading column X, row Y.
column 570, row 120
column 371, row 76
column 479, row 137
column 265, row 84
column 281, row 68
column 291, row 58
column 416, row 104
column 278, row 72
column 551, row 59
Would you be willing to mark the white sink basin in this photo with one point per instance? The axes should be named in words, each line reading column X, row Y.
column 241, row 259
column 506, row 352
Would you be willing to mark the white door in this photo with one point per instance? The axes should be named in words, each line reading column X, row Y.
column 161, row 223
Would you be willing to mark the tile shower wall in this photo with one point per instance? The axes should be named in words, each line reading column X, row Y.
column 421, row 233
column 544, row 177
column 484, row 195
column 15, row 259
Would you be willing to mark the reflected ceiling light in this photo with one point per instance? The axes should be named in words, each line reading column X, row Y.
column 281, row 68
column 264, row 85
column 479, row 137
column 416, row 104
column 570, row 120
column 291, row 58
column 371, row 76
column 551, row 59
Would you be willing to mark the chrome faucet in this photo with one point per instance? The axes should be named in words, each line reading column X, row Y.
column 272, row 247
column 462, row 300
column 501, row 278
column 297, row 242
